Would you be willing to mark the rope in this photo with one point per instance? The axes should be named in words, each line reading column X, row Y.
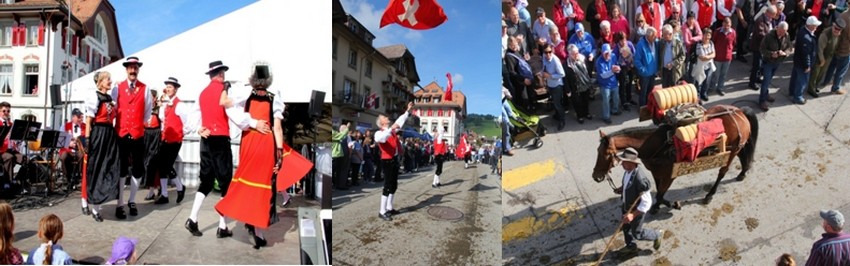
column 610, row 241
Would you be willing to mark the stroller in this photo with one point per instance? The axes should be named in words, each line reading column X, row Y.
column 526, row 127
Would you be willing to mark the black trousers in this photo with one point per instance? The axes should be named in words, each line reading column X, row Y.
column 390, row 176
column 132, row 151
column 354, row 173
column 216, row 164
column 165, row 159
column 580, row 103
column 339, row 177
column 439, row 160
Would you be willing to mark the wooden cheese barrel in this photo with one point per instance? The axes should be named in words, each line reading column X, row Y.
column 670, row 97
column 687, row 133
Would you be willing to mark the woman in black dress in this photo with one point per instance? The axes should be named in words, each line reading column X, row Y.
column 102, row 159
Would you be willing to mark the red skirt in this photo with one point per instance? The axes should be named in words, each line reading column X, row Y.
column 250, row 196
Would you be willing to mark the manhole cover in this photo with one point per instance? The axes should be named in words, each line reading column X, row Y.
column 445, row 213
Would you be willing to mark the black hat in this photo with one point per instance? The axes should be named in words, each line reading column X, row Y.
column 691, row 14
column 262, row 71
column 132, row 60
column 76, row 111
column 215, row 65
column 172, row 81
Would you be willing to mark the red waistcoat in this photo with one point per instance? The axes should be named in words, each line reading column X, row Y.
column 6, row 140
column 213, row 116
column 389, row 149
column 439, row 148
column 729, row 4
column 172, row 132
column 653, row 19
column 705, row 13
column 131, row 110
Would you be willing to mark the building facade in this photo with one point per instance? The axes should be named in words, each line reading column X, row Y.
column 368, row 81
column 45, row 44
column 434, row 111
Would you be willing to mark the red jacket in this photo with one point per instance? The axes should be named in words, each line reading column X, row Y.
column 561, row 20
column 213, row 116
column 131, row 110
column 724, row 44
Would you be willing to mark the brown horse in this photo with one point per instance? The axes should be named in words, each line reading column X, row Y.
column 741, row 127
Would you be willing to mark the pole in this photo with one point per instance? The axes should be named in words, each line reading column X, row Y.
column 610, row 241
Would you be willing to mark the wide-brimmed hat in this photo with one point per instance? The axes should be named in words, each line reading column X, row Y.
column 215, row 65
column 629, row 155
column 132, row 60
column 173, row 81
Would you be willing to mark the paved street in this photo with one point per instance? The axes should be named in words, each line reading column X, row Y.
column 159, row 229
column 415, row 237
column 554, row 213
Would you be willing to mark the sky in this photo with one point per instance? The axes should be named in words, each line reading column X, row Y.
column 145, row 23
column 467, row 45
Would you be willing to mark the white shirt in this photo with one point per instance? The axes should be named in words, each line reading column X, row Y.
column 645, row 197
column 190, row 117
column 382, row 135
column 236, row 113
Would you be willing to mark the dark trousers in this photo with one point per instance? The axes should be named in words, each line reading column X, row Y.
column 625, row 79
column 580, row 103
column 755, row 70
column 216, row 164
column 165, row 159
column 71, row 165
column 339, row 177
column 10, row 159
column 368, row 169
column 646, row 84
column 132, row 153
column 557, row 98
column 667, row 78
column 390, row 176
column 439, row 160
column 354, row 173
column 741, row 41
column 379, row 169
column 635, row 230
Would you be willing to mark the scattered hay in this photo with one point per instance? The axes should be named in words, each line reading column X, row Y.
column 796, row 153
column 728, row 208
column 675, row 244
column 809, row 178
column 820, row 154
column 821, row 168
column 662, row 261
column 715, row 215
column 618, row 244
column 729, row 251
column 770, row 157
column 752, row 223
column 667, row 235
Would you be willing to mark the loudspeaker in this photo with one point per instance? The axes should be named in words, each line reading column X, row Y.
column 56, row 94
column 317, row 103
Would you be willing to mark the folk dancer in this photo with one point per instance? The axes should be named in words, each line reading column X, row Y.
column 102, row 169
column 390, row 147
column 439, row 154
column 177, row 121
column 153, row 142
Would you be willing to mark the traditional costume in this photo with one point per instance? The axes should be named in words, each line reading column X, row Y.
column 102, row 171
column 439, row 153
column 153, row 140
column 390, row 147
column 175, row 124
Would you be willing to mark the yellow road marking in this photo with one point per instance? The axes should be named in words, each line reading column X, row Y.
column 529, row 226
column 526, row 175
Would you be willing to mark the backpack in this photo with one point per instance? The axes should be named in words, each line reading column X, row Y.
column 524, row 68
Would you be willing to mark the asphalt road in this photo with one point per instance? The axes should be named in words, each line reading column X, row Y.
column 415, row 237
column 554, row 213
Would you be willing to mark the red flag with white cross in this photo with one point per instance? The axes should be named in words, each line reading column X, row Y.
column 449, row 87
column 414, row 14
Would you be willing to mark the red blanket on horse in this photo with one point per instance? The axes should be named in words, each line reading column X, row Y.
column 707, row 132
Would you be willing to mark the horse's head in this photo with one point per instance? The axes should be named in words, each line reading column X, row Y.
column 606, row 157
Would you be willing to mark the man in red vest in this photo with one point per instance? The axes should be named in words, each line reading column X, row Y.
column 71, row 156
column 133, row 103
column 9, row 150
column 653, row 13
column 439, row 152
column 216, row 105
column 174, row 115
column 705, row 12
column 390, row 147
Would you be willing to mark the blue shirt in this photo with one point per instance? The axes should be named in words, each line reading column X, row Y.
column 585, row 45
column 59, row 257
column 604, row 74
column 645, row 61
column 555, row 69
column 542, row 31
column 668, row 52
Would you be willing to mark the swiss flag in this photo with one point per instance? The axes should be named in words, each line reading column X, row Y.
column 294, row 167
column 449, row 89
column 414, row 14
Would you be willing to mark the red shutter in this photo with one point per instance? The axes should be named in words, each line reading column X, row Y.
column 73, row 45
column 41, row 33
column 430, row 112
column 440, row 112
column 64, row 38
column 15, row 30
column 22, row 35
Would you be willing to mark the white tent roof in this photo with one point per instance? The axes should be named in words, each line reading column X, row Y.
column 292, row 40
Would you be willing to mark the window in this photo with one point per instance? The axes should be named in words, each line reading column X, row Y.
column 30, row 80
column 334, row 47
column 369, row 68
column 32, row 34
column 6, row 79
column 6, row 34
column 99, row 31
column 437, row 99
column 352, row 59
column 401, row 67
column 348, row 87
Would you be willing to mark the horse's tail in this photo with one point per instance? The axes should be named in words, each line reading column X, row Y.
column 750, row 147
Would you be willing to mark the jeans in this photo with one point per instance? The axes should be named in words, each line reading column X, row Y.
column 768, row 69
column 645, row 86
column 718, row 80
column 506, row 136
column 557, row 96
column 799, row 79
column 607, row 94
column 837, row 67
column 754, row 71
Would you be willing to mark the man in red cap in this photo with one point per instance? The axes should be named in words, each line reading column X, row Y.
column 133, row 103
column 217, row 108
column 71, row 156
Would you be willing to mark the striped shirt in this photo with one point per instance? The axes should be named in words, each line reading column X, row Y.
column 832, row 249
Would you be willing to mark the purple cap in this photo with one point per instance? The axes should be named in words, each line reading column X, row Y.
column 122, row 250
